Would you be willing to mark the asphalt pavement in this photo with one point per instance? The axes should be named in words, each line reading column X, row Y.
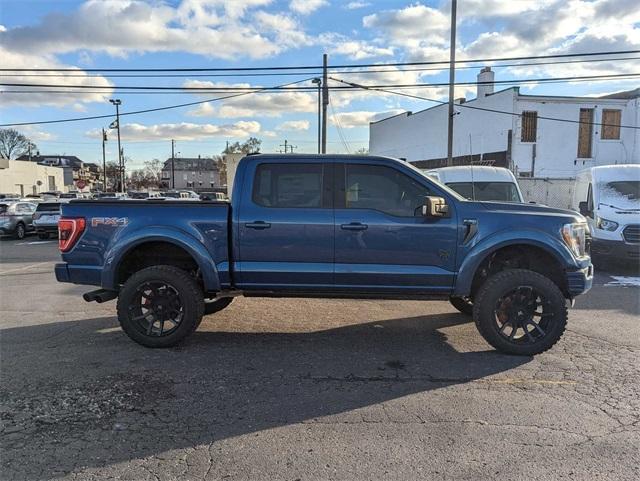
column 310, row 390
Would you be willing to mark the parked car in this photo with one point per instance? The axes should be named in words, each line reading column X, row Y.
column 180, row 194
column 16, row 218
column 329, row 226
column 45, row 219
column 218, row 196
column 609, row 197
column 480, row 182
column 9, row 197
column 70, row 195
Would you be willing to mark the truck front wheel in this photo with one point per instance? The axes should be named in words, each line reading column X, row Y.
column 520, row 312
column 160, row 306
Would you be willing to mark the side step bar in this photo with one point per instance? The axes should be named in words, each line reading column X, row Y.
column 100, row 295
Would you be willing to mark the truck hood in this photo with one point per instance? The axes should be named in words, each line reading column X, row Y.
column 535, row 209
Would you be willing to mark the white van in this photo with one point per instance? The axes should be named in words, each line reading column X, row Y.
column 480, row 182
column 609, row 197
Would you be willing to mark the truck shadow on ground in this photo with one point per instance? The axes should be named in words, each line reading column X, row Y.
column 81, row 395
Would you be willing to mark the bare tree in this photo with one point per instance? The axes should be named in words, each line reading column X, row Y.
column 250, row 146
column 13, row 144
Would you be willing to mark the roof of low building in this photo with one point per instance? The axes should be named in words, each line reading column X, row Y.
column 191, row 163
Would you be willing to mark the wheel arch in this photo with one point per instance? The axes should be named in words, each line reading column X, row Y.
column 169, row 248
column 544, row 255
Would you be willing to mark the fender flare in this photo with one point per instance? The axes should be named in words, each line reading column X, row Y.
column 122, row 246
column 530, row 237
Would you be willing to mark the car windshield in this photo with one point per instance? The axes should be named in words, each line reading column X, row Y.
column 496, row 191
column 626, row 188
column 68, row 196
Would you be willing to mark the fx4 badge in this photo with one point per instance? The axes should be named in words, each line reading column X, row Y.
column 109, row 221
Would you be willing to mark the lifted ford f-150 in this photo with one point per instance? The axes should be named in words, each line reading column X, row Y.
column 329, row 226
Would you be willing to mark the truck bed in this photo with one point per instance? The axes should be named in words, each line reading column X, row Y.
column 114, row 228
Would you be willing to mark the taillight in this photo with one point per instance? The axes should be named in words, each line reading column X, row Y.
column 69, row 231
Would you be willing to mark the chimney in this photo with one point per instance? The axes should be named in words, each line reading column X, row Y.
column 486, row 76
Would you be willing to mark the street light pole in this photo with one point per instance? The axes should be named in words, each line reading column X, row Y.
column 117, row 103
column 325, row 102
column 319, row 82
column 173, row 172
column 452, row 79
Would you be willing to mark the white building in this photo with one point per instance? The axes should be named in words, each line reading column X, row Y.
column 527, row 142
column 25, row 178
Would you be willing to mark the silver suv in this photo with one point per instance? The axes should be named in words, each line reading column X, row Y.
column 16, row 218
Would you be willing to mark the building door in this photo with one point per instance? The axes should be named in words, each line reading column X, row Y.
column 52, row 183
column 382, row 240
column 585, row 133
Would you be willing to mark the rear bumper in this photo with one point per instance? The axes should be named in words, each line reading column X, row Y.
column 78, row 275
column 579, row 281
column 619, row 250
column 49, row 229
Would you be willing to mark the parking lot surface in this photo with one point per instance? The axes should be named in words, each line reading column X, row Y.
column 311, row 390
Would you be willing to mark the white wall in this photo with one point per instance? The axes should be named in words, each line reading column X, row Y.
column 232, row 161
column 27, row 174
column 423, row 135
column 557, row 142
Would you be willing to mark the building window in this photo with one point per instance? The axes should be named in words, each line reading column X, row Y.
column 611, row 124
column 529, row 126
column 585, row 133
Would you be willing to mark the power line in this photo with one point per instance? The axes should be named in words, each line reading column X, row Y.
column 343, row 72
column 288, row 87
column 318, row 67
column 157, row 109
column 465, row 105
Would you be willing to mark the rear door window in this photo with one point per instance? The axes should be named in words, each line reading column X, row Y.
column 288, row 185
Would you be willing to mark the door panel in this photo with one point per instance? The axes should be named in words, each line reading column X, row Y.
column 382, row 240
column 286, row 227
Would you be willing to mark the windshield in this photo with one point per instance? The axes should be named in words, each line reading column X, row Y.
column 620, row 194
column 626, row 188
column 68, row 196
column 48, row 207
column 497, row 191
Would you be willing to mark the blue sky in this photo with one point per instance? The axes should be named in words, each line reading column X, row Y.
column 254, row 33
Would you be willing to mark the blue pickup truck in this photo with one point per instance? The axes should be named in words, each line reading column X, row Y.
column 332, row 226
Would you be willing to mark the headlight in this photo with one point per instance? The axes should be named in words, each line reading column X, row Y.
column 574, row 236
column 605, row 224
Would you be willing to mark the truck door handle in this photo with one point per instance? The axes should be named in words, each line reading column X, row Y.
column 259, row 224
column 354, row 226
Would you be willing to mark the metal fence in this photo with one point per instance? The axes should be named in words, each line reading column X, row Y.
column 547, row 191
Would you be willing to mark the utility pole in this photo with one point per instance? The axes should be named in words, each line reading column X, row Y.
column 117, row 103
column 318, row 81
column 325, row 102
column 173, row 169
column 452, row 79
column 285, row 145
column 104, row 161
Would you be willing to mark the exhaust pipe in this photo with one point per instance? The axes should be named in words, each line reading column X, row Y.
column 100, row 295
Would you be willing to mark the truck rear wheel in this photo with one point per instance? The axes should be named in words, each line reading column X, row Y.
column 160, row 306
column 520, row 312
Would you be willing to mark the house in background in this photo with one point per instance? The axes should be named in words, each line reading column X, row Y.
column 198, row 174
column 29, row 178
column 528, row 143
column 76, row 172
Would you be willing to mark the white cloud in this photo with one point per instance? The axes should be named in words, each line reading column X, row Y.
column 411, row 26
column 305, row 7
column 338, row 44
column 266, row 104
column 356, row 5
column 361, row 118
column 291, row 125
column 202, row 110
column 213, row 28
column 183, row 131
column 35, row 134
column 76, row 100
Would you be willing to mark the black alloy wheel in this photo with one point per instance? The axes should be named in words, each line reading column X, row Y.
column 160, row 306
column 520, row 312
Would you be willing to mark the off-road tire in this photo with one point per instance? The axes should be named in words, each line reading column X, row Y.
column 462, row 304
column 503, row 282
column 189, row 293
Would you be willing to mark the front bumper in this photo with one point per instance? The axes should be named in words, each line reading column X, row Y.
column 579, row 281
column 618, row 250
